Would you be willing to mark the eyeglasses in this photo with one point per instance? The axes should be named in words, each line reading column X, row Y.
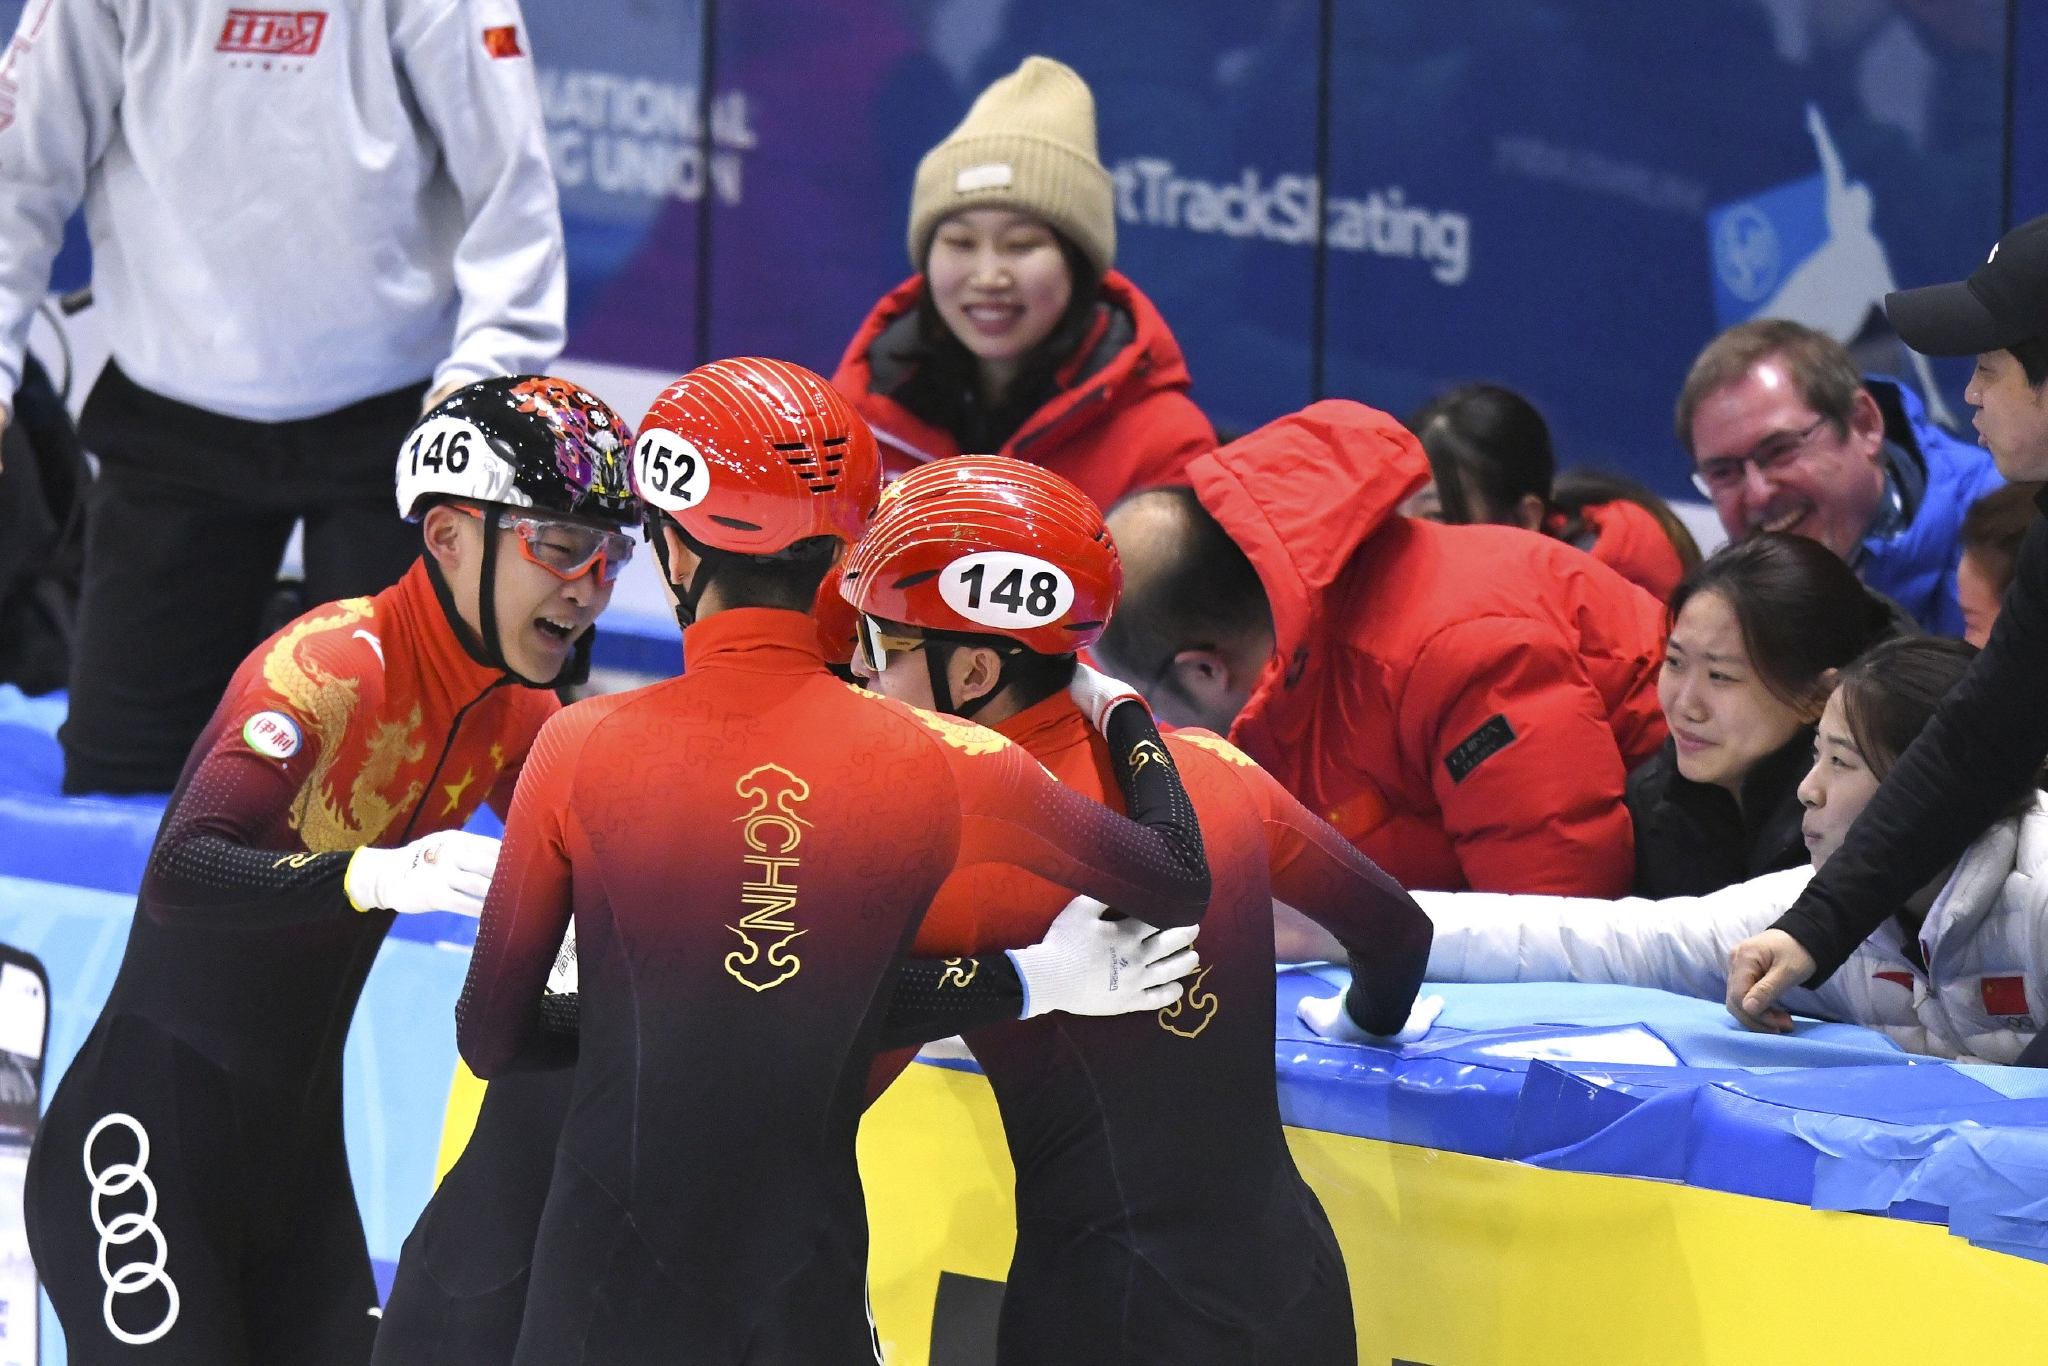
column 565, row 549
column 878, row 642
column 1724, row 474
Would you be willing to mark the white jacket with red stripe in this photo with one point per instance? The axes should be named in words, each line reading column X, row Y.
column 290, row 209
column 1982, row 997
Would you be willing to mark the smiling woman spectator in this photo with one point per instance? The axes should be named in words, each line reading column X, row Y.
column 1956, row 972
column 1016, row 337
column 1757, row 633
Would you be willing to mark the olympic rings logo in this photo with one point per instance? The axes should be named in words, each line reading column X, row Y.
column 118, row 1178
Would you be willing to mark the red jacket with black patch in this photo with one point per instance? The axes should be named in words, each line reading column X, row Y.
column 1122, row 420
column 1462, row 702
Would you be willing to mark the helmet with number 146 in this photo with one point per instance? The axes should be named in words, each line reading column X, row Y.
column 983, row 546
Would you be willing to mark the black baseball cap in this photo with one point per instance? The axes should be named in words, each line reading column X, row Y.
column 2004, row 301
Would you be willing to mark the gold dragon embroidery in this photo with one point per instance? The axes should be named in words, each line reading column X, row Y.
column 330, row 703
column 1221, row 748
column 962, row 734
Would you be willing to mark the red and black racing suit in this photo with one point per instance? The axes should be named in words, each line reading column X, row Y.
column 747, row 851
column 1160, row 1216
column 222, row 1227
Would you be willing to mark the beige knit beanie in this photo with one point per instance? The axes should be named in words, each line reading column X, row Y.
column 1028, row 144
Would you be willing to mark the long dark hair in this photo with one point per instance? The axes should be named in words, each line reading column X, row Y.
column 1890, row 694
column 944, row 385
column 1801, row 611
column 1486, row 438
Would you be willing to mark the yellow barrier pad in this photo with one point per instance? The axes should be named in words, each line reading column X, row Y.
column 1464, row 1261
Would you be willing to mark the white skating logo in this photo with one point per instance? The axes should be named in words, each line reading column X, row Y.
column 1151, row 192
column 1838, row 286
column 118, row 1178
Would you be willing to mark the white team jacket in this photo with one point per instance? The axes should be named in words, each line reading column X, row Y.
column 1985, row 942
column 290, row 210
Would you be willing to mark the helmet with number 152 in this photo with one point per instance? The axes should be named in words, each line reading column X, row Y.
column 983, row 545
column 752, row 456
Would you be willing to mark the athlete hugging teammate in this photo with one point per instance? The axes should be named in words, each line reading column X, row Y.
column 746, row 852
column 460, row 1291
column 189, row 1196
column 1160, row 1217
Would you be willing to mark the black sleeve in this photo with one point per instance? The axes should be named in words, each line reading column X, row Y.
column 205, row 879
column 1152, row 791
column 936, row 998
column 552, row 1042
column 1979, row 753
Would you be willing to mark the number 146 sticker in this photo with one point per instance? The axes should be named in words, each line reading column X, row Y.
column 1002, row 588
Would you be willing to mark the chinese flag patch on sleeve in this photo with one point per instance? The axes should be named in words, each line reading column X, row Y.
column 2006, row 997
column 503, row 41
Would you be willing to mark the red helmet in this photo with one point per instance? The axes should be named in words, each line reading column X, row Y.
column 987, row 545
column 750, row 456
column 838, row 623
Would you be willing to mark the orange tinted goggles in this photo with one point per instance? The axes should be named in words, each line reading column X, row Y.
column 568, row 550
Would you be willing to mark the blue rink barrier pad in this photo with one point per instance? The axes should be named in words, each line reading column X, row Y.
column 1628, row 1081
column 104, row 842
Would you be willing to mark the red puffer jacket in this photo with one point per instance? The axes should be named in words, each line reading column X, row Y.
column 1122, row 420
column 1633, row 543
column 1462, row 702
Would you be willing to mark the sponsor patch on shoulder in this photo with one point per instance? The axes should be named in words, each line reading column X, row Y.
column 272, row 733
column 503, row 41
column 1476, row 748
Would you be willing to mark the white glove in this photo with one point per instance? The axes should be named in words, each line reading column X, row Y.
column 1087, row 965
column 447, row 871
column 1096, row 694
column 1327, row 1017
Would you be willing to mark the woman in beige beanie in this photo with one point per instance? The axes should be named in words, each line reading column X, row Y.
column 1016, row 337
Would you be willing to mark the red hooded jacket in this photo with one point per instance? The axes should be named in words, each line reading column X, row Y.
column 1462, row 702
column 1630, row 540
column 1122, row 420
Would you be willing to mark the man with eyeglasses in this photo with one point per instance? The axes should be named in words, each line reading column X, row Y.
column 1786, row 436
column 188, row 1198
column 1985, row 745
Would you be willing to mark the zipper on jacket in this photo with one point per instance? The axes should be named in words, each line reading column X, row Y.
column 1086, row 401
column 454, row 729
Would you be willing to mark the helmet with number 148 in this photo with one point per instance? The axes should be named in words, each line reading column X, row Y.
column 995, row 571
column 750, row 465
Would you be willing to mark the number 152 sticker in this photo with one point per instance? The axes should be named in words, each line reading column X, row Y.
column 1004, row 589
column 669, row 472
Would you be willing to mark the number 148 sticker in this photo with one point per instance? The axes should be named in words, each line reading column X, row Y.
column 1002, row 588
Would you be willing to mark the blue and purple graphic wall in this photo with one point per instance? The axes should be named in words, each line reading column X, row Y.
column 1364, row 198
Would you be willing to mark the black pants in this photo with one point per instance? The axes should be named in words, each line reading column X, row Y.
column 184, row 530
column 460, row 1289
column 600, row 1296
column 179, row 1219
column 1079, row 1298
